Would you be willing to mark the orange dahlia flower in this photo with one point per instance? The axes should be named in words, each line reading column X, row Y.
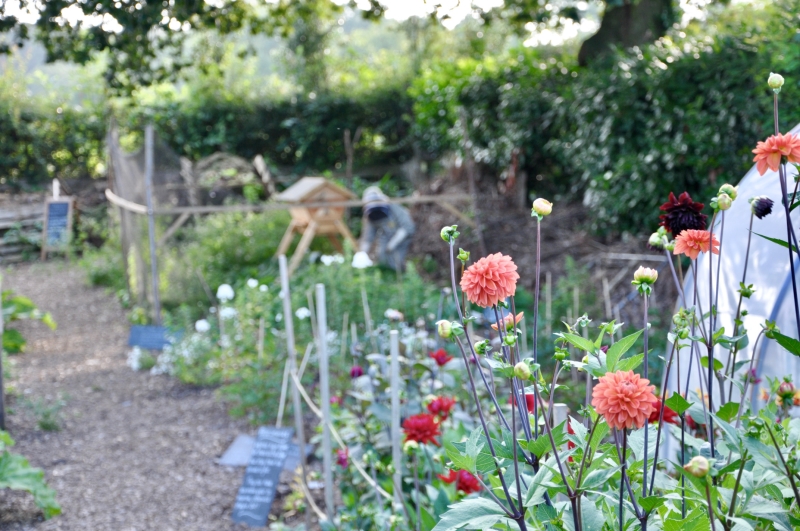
column 624, row 399
column 769, row 152
column 693, row 242
column 490, row 280
column 510, row 320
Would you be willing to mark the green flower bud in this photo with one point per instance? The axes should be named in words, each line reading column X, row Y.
column 409, row 447
column 724, row 201
column 510, row 340
column 560, row 354
column 445, row 329
column 450, row 233
column 645, row 275
column 775, row 81
column 656, row 241
column 698, row 466
column 542, row 207
column 463, row 256
column 729, row 189
column 482, row 346
column 683, row 333
column 522, row 371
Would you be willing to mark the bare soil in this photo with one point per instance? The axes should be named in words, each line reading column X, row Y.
column 133, row 451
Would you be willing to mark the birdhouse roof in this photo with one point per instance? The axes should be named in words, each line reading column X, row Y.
column 307, row 187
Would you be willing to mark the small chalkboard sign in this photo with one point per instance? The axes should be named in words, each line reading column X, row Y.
column 260, row 482
column 57, row 224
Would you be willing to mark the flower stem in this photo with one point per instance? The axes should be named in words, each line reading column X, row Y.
column 536, row 315
column 416, row 488
column 710, row 337
column 646, row 425
column 661, row 416
column 683, row 462
column 732, row 357
column 736, row 487
column 785, row 466
column 789, row 228
column 623, row 463
column 710, row 507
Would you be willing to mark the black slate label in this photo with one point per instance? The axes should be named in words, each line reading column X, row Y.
column 260, row 482
column 57, row 224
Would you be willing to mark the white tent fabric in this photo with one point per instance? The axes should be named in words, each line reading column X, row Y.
column 768, row 270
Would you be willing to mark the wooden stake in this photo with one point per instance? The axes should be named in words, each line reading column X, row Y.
column 2, row 388
column 607, row 299
column 282, row 401
column 343, row 337
column 394, row 382
column 325, row 398
column 296, row 403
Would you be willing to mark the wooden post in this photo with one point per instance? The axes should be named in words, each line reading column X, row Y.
column 394, row 382
column 325, row 398
column 2, row 388
column 290, row 349
column 607, row 299
column 282, row 401
column 151, row 221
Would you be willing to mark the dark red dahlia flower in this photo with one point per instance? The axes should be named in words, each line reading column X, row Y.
column 670, row 417
column 440, row 357
column 465, row 481
column 441, row 406
column 682, row 214
column 356, row 371
column 422, row 428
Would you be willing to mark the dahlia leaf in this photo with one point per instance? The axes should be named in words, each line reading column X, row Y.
column 619, row 348
column 475, row 513
column 780, row 242
column 578, row 342
column 598, row 478
column 677, row 403
column 628, row 364
column 729, row 411
column 789, row 343
column 717, row 364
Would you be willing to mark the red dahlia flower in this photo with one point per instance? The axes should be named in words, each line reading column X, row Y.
column 670, row 417
column 441, row 406
column 422, row 428
column 356, row 371
column 465, row 481
column 342, row 457
column 440, row 357
column 682, row 214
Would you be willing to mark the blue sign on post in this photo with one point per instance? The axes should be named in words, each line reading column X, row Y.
column 150, row 337
column 255, row 497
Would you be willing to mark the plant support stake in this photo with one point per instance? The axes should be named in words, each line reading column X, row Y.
column 151, row 220
column 325, row 398
column 394, row 382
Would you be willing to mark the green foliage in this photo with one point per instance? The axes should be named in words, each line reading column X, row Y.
column 17, row 474
column 15, row 308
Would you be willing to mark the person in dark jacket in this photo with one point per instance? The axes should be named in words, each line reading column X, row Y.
column 388, row 225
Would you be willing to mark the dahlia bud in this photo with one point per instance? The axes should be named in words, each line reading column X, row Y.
column 775, row 81
column 724, row 201
column 542, row 207
column 450, row 233
column 482, row 346
column 761, row 206
column 697, row 467
column 463, row 256
column 786, row 388
column 561, row 354
column 445, row 329
column 645, row 275
column 522, row 371
column 683, row 333
column 410, row 447
column 656, row 241
column 729, row 189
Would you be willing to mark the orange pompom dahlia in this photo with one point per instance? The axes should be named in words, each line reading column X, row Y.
column 490, row 280
column 624, row 399
column 693, row 242
column 769, row 152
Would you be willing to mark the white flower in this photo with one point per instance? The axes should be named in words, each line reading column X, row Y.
column 135, row 358
column 263, row 288
column 228, row 313
column 361, row 260
column 303, row 313
column 393, row 315
column 252, row 283
column 202, row 326
column 225, row 293
column 329, row 259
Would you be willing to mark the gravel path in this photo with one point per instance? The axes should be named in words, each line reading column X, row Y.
column 134, row 451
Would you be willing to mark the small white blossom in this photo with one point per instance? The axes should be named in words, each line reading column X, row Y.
column 135, row 358
column 252, row 283
column 361, row 260
column 228, row 313
column 303, row 313
column 263, row 288
column 329, row 259
column 225, row 292
column 393, row 315
column 202, row 326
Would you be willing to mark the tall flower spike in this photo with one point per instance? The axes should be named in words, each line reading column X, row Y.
column 490, row 280
column 682, row 214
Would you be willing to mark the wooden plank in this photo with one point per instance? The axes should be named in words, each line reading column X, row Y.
column 264, row 207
